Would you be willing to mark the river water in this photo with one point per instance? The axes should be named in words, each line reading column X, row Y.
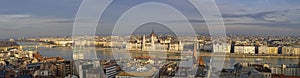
column 66, row 53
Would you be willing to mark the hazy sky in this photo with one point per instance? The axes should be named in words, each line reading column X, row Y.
column 34, row 18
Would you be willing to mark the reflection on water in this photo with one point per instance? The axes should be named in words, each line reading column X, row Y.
column 103, row 54
column 63, row 52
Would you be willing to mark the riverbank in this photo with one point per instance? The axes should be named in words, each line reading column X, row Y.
column 208, row 54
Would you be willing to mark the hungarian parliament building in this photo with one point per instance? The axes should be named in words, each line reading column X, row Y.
column 154, row 43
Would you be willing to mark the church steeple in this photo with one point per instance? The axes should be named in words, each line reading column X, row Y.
column 152, row 33
column 153, row 36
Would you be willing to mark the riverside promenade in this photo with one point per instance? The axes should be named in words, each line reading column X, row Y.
column 186, row 53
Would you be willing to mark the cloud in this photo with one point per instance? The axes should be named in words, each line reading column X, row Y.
column 62, row 21
column 58, row 8
column 15, row 16
column 13, row 25
column 55, row 17
column 271, row 19
column 287, row 25
column 14, row 20
column 190, row 20
column 268, row 16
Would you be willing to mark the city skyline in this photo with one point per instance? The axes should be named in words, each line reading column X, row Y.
column 149, row 39
column 55, row 18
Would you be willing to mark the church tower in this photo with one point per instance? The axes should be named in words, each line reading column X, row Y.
column 144, row 42
column 153, row 36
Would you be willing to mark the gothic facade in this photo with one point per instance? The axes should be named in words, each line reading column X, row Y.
column 154, row 43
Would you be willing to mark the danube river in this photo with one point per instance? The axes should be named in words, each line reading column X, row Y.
column 107, row 54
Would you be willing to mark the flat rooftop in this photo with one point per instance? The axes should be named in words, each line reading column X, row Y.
column 149, row 73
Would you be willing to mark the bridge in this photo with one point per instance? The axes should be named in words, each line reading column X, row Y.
column 41, row 45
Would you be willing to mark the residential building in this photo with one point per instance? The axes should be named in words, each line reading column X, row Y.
column 64, row 43
column 297, row 50
column 208, row 47
column 63, row 69
column 287, row 70
column 221, row 48
column 272, row 50
column 263, row 50
column 238, row 49
column 289, row 50
column 111, row 69
column 244, row 49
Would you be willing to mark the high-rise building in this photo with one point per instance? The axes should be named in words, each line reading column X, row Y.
column 111, row 69
column 64, row 69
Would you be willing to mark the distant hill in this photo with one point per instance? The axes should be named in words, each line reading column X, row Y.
column 4, row 39
column 8, row 44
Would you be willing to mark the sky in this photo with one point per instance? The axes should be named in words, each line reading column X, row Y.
column 44, row 18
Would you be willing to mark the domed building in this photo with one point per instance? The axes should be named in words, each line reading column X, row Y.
column 154, row 43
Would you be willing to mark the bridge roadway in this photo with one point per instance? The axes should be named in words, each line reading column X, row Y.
column 41, row 45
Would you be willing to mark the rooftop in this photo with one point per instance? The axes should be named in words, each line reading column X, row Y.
column 149, row 73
